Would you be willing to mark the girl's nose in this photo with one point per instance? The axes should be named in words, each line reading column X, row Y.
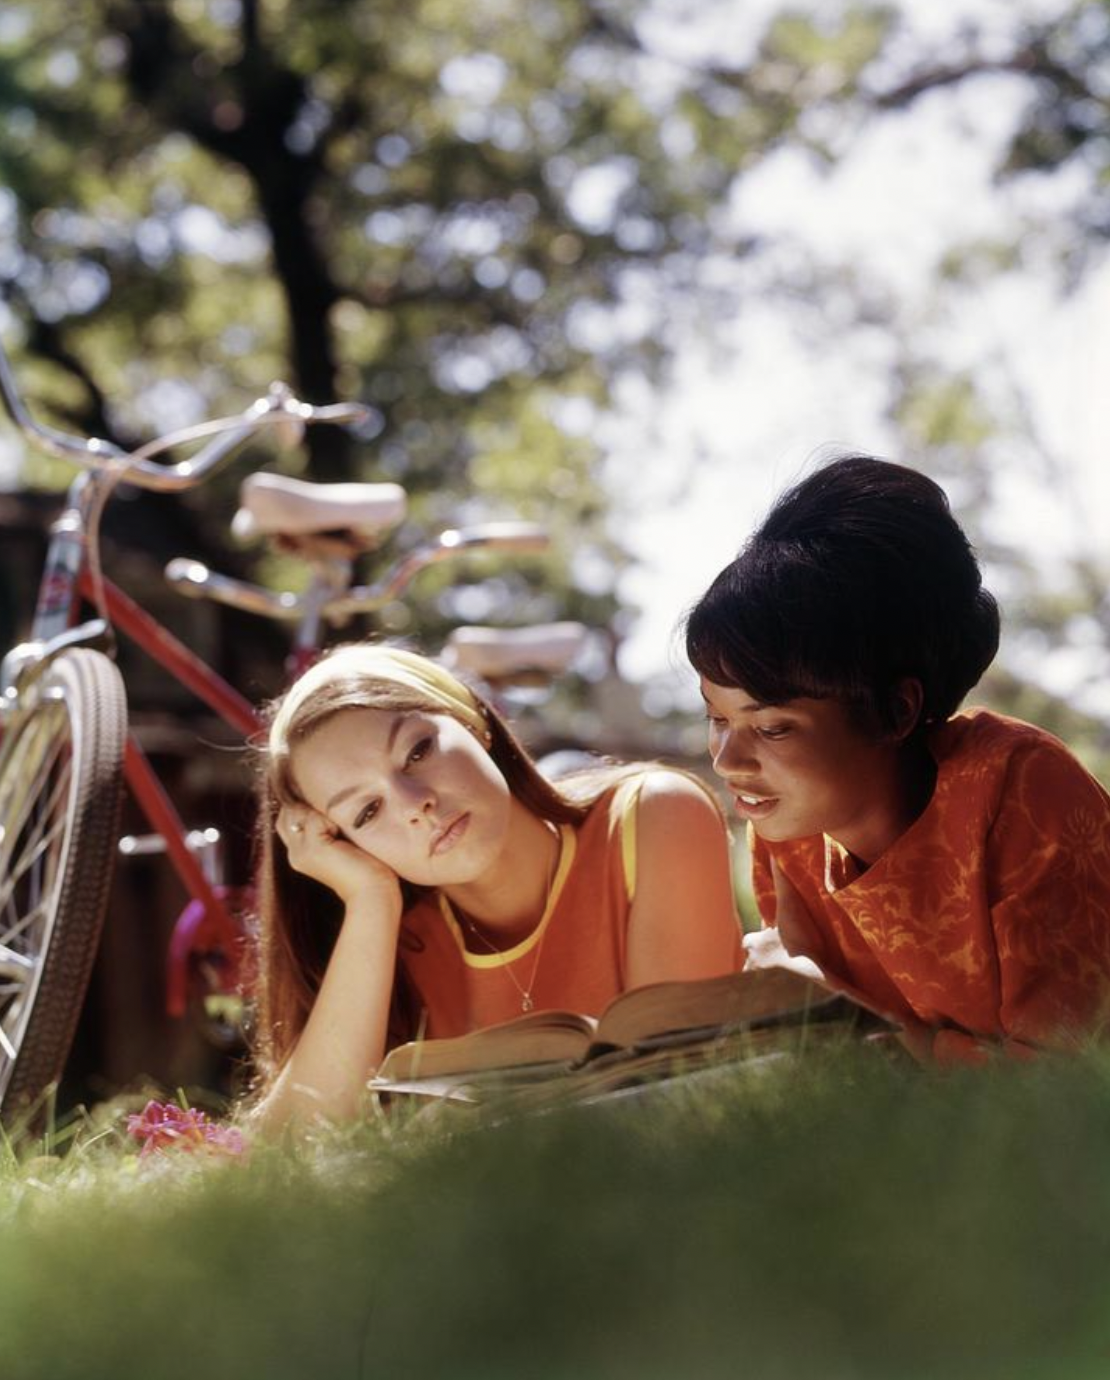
column 421, row 800
column 732, row 755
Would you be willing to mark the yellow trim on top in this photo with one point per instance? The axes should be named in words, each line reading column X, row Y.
column 627, row 800
column 568, row 847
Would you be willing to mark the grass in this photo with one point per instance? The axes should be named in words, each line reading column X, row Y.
column 835, row 1217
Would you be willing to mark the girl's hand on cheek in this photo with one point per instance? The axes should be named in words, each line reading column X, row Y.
column 317, row 850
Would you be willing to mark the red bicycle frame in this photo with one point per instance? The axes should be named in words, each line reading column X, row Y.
column 207, row 923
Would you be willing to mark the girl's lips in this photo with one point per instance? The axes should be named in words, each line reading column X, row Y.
column 445, row 839
column 751, row 806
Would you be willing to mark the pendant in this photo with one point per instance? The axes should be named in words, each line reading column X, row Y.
column 526, row 1003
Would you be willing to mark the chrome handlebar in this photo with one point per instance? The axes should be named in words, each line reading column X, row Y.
column 279, row 410
column 196, row 580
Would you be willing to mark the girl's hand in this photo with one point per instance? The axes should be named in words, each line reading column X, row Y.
column 799, row 935
column 318, row 851
column 765, row 949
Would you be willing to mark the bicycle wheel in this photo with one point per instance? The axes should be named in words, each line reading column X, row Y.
column 60, row 791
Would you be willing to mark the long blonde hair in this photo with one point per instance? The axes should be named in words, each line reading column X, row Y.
column 298, row 919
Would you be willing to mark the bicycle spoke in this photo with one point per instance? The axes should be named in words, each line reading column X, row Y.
column 14, row 981
column 13, row 963
column 28, row 781
column 28, row 859
column 25, row 889
column 38, row 843
column 23, row 923
column 61, row 776
column 38, row 888
column 55, row 743
column 42, row 732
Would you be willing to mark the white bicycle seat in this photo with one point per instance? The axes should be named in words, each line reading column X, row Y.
column 273, row 505
column 497, row 653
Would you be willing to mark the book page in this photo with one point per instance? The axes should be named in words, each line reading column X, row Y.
column 539, row 1037
column 646, row 1015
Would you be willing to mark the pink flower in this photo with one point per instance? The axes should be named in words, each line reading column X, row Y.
column 163, row 1126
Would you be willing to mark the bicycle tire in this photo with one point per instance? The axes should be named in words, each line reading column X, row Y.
column 61, row 785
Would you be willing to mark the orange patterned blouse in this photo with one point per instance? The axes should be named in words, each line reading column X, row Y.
column 991, row 915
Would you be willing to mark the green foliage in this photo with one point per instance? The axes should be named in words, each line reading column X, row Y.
column 468, row 216
column 951, row 433
column 836, row 46
column 436, row 207
column 975, row 426
column 1087, row 736
column 836, row 1216
column 944, row 413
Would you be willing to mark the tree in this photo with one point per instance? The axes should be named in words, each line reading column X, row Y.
column 478, row 219
column 1059, row 149
column 472, row 216
column 960, row 402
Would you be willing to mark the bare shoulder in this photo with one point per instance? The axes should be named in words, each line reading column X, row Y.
column 672, row 800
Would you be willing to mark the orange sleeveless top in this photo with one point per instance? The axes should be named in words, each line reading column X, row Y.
column 991, row 914
column 573, row 960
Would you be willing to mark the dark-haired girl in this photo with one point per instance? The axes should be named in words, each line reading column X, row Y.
column 952, row 868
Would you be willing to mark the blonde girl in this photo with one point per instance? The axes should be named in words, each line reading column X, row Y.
column 419, row 876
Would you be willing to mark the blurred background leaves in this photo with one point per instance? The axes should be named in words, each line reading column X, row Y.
column 484, row 220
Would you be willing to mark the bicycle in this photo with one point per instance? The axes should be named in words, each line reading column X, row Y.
column 66, row 753
column 328, row 526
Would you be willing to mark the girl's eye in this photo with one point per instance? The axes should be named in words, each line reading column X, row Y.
column 773, row 732
column 367, row 813
column 419, row 751
column 714, row 722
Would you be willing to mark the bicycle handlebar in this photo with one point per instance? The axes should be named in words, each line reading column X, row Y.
column 194, row 579
column 502, row 536
column 279, row 409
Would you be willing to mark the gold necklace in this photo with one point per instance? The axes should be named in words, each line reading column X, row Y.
column 526, row 1002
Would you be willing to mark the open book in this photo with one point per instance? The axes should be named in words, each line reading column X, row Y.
column 645, row 1033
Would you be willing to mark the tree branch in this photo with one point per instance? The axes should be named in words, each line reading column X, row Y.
column 1032, row 60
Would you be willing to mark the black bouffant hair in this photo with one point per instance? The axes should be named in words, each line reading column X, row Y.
column 858, row 578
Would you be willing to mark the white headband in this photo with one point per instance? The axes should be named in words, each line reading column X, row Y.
column 392, row 664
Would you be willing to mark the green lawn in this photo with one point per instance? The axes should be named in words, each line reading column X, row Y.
column 838, row 1216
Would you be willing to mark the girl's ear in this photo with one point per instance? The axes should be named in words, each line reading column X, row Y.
column 906, row 703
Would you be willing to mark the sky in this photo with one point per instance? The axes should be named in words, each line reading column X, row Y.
column 694, row 469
